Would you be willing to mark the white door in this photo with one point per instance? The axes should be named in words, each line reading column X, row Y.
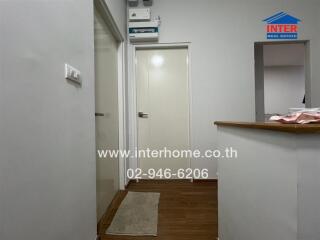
column 107, row 122
column 163, row 107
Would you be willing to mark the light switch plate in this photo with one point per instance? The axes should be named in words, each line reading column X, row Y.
column 72, row 73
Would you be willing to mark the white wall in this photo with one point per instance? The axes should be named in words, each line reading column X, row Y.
column 284, row 54
column 309, row 188
column 275, row 195
column 284, row 88
column 258, row 195
column 315, row 70
column 222, row 34
column 118, row 9
column 284, row 77
column 47, row 132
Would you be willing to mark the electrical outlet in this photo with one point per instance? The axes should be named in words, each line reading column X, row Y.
column 72, row 73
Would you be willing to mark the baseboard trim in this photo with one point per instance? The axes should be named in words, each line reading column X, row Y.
column 205, row 180
column 129, row 183
column 132, row 181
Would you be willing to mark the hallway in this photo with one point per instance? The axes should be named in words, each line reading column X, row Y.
column 186, row 210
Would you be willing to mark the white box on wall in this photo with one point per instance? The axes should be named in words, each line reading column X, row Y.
column 139, row 14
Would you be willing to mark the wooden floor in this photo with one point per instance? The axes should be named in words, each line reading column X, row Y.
column 187, row 211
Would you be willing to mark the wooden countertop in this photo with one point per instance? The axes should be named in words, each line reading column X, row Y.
column 272, row 126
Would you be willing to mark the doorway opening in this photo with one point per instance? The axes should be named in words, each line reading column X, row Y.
column 282, row 78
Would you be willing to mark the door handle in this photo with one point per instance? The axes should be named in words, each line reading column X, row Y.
column 99, row 114
column 143, row 115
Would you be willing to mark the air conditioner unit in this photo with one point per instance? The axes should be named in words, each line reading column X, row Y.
column 144, row 31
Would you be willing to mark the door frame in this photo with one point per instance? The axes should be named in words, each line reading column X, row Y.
column 134, row 162
column 103, row 9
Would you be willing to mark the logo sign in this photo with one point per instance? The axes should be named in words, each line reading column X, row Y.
column 282, row 26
